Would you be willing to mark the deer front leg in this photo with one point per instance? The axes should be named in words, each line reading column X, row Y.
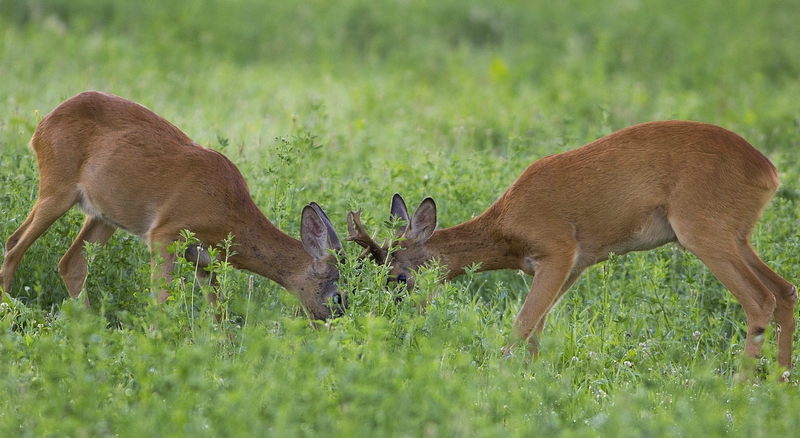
column 549, row 280
column 162, row 264
column 198, row 254
column 537, row 331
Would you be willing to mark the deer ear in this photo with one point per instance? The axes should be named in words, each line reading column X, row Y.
column 313, row 233
column 399, row 211
column 399, row 207
column 423, row 223
column 333, row 239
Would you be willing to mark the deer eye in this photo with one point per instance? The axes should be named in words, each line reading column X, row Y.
column 401, row 278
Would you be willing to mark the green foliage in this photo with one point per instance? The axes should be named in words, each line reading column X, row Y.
column 346, row 103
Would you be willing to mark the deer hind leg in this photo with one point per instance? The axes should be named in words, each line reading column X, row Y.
column 45, row 211
column 73, row 265
column 785, row 299
column 724, row 260
column 549, row 283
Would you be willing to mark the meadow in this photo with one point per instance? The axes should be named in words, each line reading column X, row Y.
column 345, row 103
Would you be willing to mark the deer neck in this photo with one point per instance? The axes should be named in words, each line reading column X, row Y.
column 264, row 249
column 477, row 241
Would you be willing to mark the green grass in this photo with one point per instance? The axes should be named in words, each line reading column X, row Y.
column 345, row 104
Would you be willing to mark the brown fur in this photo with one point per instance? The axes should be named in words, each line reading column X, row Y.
column 128, row 168
column 636, row 189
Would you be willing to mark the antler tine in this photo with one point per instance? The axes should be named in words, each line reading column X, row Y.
column 368, row 251
column 358, row 234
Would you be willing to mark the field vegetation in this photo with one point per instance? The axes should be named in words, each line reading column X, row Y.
column 346, row 103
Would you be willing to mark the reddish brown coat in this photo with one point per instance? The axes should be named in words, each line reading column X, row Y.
column 636, row 189
column 128, row 168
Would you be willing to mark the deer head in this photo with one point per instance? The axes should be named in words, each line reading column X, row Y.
column 409, row 251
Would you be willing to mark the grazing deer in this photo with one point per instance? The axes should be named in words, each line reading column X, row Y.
column 636, row 189
column 128, row 168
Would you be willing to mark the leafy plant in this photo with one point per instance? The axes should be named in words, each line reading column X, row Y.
column 345, row 104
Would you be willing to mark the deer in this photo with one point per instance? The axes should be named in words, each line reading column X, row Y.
column 696, row 184
column 128, row 168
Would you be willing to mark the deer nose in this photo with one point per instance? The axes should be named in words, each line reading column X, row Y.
column 337, row 305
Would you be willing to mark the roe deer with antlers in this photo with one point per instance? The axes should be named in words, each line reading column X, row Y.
column 128, row 168
column 636, row 189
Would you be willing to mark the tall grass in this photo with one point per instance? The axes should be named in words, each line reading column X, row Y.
column 346, row 103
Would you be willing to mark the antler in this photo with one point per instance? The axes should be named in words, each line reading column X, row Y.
column 358, row 234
